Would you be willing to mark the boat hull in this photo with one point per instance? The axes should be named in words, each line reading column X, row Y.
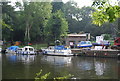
column 25, row 52
column 10, row 51
column 58, row 52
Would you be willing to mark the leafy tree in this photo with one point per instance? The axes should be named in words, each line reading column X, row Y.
column 36, row 15
column 7, row 20
column 57, row 26
column 105, row 12
column 57, row 6
column 79, row 19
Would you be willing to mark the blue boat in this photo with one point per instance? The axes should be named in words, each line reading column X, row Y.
column 12, row 49
column 83, row 44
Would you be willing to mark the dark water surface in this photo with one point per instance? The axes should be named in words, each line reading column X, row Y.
column 26, row 66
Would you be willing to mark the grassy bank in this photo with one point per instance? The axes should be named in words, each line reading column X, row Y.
column 36, row 46
column 39, row 46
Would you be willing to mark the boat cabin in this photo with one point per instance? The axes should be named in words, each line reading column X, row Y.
column 28, row 48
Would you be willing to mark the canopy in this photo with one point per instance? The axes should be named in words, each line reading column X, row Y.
column 60, row 47
column 13, row 48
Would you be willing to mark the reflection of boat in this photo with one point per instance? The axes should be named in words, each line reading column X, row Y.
column 58, row 60
column 84, row 44
column 26, row 58
column 57, row 50
column 100, row 68
column 26, row 50
column 20, row 57
column 12, row 49
column 0, row 49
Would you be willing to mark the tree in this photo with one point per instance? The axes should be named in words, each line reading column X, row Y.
column 57, row 6
column 36, row 15
column 105, row 12
column 57, row 26
column 7, row 20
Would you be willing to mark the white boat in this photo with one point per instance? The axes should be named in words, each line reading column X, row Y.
column 57, row 50
column 12, row 49
column 26, row 50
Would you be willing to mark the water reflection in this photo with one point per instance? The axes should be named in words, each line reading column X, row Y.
column 84, row 65
column 26, row 66
column 99, row 68
column 26, row 59
column 58, row 60
column 11, row 57
column 94, row 67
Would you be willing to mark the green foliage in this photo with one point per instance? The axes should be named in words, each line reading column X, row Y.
column 6, row 25
column 7, row 20
column 57, row 6
column 64, row 77
column 57, row 26
column 36, row 15
column 105, row 12
column 40, row 21
column 107, row 36
column 40, row 77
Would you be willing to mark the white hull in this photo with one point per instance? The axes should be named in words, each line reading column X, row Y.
column 57, row 52
column 25, row 52
column 10, row 51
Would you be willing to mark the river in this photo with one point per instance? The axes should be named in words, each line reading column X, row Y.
column 16, row 66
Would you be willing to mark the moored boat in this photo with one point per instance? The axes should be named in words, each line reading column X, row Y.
column 12, row 49
column 84, row 44
column 58, row 51
column 26, row 50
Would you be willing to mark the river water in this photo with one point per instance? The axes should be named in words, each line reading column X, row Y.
column 16, row 66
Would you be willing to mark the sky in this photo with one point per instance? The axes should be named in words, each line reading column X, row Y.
column 80, row 3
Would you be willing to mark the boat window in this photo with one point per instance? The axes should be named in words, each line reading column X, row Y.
column 20, row 49
column 30, row 49
column 82, row 42
column 89, row 42
column 25, row 49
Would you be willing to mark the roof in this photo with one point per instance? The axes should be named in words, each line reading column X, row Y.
column 13, row 48
column 78, row 35
column 28, row 47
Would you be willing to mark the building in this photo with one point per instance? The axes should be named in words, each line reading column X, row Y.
column 73, row 39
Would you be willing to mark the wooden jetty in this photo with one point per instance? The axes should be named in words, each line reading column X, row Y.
column 97, row 53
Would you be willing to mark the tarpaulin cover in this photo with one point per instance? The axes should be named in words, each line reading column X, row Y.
column 60, row 47
column 13, row 48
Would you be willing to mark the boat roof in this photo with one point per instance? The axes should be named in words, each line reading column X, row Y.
column 13, row 48
column 28, row 47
